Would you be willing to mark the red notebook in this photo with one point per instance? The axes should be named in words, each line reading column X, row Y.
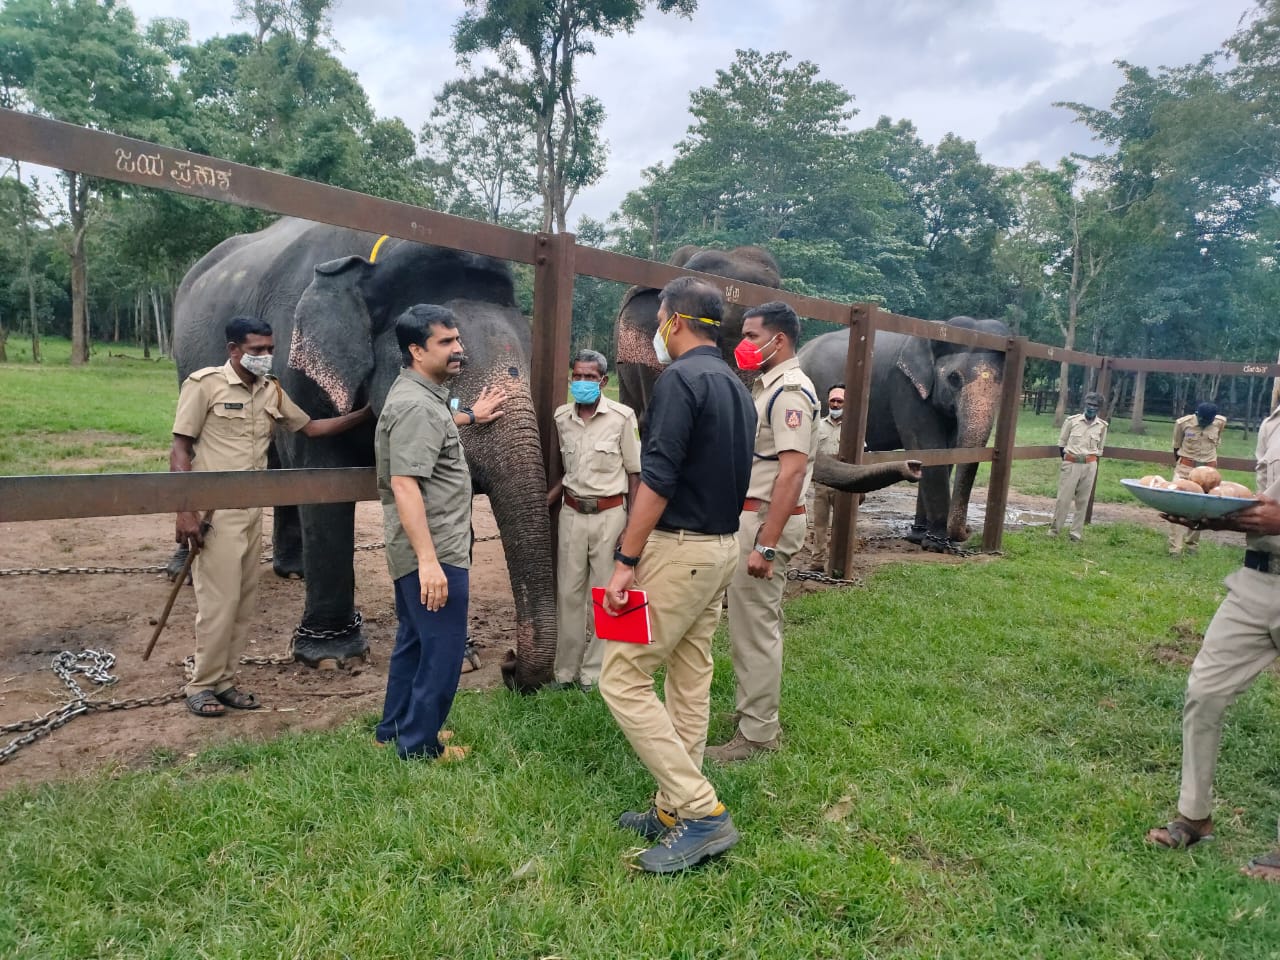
column 630, row 625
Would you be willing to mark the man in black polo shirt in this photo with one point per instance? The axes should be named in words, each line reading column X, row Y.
column 680, row 546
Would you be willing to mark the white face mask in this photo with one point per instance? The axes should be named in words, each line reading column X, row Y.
column 259, row 366
column 660, row 344
column 836, row 414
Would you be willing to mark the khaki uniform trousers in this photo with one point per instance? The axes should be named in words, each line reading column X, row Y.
column 820, row 507
column 584, row 559
column 1178, row 534
column 1075, row 483
column 685, row 576
column 225, row 573
column 1242, row 640
column 755, row 629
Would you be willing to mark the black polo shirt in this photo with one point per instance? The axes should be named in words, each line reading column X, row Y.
column 697, row 447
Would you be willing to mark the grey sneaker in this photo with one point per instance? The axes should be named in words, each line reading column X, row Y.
column 689, row 843
column 651, row 824
column 740, row 748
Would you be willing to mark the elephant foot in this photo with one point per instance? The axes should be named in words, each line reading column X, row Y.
column 330, row 649
column 173, row 569
column 287, row 566
column 917, row 535
column 520, row 680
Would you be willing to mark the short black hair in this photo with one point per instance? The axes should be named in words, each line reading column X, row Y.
column 778, row 317
column 834, row 386
column 240, row 329
column 698, row 299
column 415, row 325
column 1093, row 399
column 1206, row 411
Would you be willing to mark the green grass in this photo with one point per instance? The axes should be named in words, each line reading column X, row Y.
column 114, row 415
column 972, row 754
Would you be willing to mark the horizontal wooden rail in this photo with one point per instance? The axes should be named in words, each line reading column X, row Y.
column 1044, row 351
column 96, row 153
column 933, row 458
column 1222, row 368
column 934, row 330
column 130, row 494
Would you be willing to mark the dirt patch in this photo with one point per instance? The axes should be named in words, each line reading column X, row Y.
column 42, row 615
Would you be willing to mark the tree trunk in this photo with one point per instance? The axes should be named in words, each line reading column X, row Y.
column 115, row 309
column 157, row 310
column 143, row 322
column 1275, row 388
column 26, row 267
column 77, row 201
column 4, row 335
column 1136, row 424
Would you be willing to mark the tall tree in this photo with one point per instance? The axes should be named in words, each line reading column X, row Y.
column 538, row 43
column 84, row 62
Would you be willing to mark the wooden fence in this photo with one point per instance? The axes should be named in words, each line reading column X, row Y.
column 557, row 260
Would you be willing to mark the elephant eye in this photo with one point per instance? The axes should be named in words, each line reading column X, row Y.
column 514, row 371
column 955, row 379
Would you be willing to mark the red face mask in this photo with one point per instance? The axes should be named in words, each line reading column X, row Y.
column 748, row 356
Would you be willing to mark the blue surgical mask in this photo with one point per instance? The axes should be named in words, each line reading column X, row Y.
column 585, row 391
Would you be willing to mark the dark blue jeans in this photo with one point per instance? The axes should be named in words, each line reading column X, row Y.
column 422, row 677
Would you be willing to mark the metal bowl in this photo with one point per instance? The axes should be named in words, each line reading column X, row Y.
column 1193, row 506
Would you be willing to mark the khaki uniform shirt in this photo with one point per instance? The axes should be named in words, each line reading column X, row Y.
column 829, row 436
column 416, row 437
column 598, row 453
column 1196, row 442
column 791, row 425
column 1083, row 438
column 231, row 420
column 1267, row 476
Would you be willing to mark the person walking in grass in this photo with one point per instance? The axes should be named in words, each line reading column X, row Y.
column 424, row 485
column 1242, row 640
column 224, row 421
column 1083, row 438
column 681, row 547
column 1195, row 444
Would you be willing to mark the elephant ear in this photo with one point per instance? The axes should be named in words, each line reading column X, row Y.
column 331, row 343
column 916, row 360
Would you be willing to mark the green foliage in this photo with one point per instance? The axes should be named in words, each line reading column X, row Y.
column 972, row 755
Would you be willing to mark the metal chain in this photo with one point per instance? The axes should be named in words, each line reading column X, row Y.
column 29, row 571
column 813, row 576
column 95, row 665
column 310, row 634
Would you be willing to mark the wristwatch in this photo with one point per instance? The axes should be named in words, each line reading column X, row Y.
column 767, row 552
column 471, row 414
column 624, row 559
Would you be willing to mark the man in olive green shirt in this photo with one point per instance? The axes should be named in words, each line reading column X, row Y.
column 424, row 485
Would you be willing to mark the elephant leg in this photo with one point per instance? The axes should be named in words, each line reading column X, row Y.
column 330, row 628
column 934, row 497
column 920, row 525
column 286, row 543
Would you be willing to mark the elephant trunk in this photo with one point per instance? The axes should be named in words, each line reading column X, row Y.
column 975, row 416
column 517, row 493
column 855, row 478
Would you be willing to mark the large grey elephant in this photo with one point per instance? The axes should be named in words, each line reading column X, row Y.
column 332, row 306
column 925, row 394
column 637, row 320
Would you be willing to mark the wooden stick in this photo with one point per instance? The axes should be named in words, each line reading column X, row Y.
column 177, row 585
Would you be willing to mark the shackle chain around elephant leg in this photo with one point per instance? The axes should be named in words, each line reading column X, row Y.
column 951, row 546
column 32, row 571
column 312, row 634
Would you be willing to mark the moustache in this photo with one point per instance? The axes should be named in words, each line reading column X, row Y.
column 458, row 358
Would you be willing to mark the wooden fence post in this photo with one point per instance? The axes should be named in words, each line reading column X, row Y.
column 1104, row 388
column 853, row 429
column 1015, row 366
column 553, row 276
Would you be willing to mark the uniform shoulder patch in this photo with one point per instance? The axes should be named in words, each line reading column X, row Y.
column 793, row 418
column 203, row 372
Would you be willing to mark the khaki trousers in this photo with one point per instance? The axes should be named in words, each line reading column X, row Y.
column 755, row 629
column 1075, row 483
column 820, row 507
column 1178, row 534
column 225, row 573
column 1242, row 640
column 685, row 576
column 584, row 559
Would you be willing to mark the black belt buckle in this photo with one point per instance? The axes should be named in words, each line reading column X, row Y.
column 1258, row 560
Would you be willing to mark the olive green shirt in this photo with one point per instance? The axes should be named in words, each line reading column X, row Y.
column 416, row 437
column 789, row 425
column 231, row 421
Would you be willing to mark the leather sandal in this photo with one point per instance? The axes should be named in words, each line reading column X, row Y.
column 1264, row 867
column 1180, row 833
column 238, row 699
column 205, row 704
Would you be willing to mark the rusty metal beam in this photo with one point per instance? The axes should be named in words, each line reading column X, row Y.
column 130, row 494
column 935, row 330
column 99, row 154
column 933, row 458
column 607, row 265
column 1043, row 351
column 1263, row 368
column 1006, row 427
column 552, row 322
column 853, row 430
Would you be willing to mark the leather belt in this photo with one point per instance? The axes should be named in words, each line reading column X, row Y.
column 1087, row 458
column 1262, row 561
column 1188, row 462
column 751, row 505
column 593, row 504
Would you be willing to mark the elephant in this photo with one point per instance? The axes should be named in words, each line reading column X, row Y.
column 331, row 295
column 637, row 320
column 925, row 394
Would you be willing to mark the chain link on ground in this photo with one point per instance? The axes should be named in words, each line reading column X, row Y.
column 815, row 576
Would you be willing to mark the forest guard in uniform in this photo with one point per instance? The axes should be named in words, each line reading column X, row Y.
column 1083, row 438
column 1195, row 444
column 600, row 452
column 822, row 499
column 224, row 421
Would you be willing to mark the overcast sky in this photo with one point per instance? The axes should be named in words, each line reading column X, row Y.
column 987, row 70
